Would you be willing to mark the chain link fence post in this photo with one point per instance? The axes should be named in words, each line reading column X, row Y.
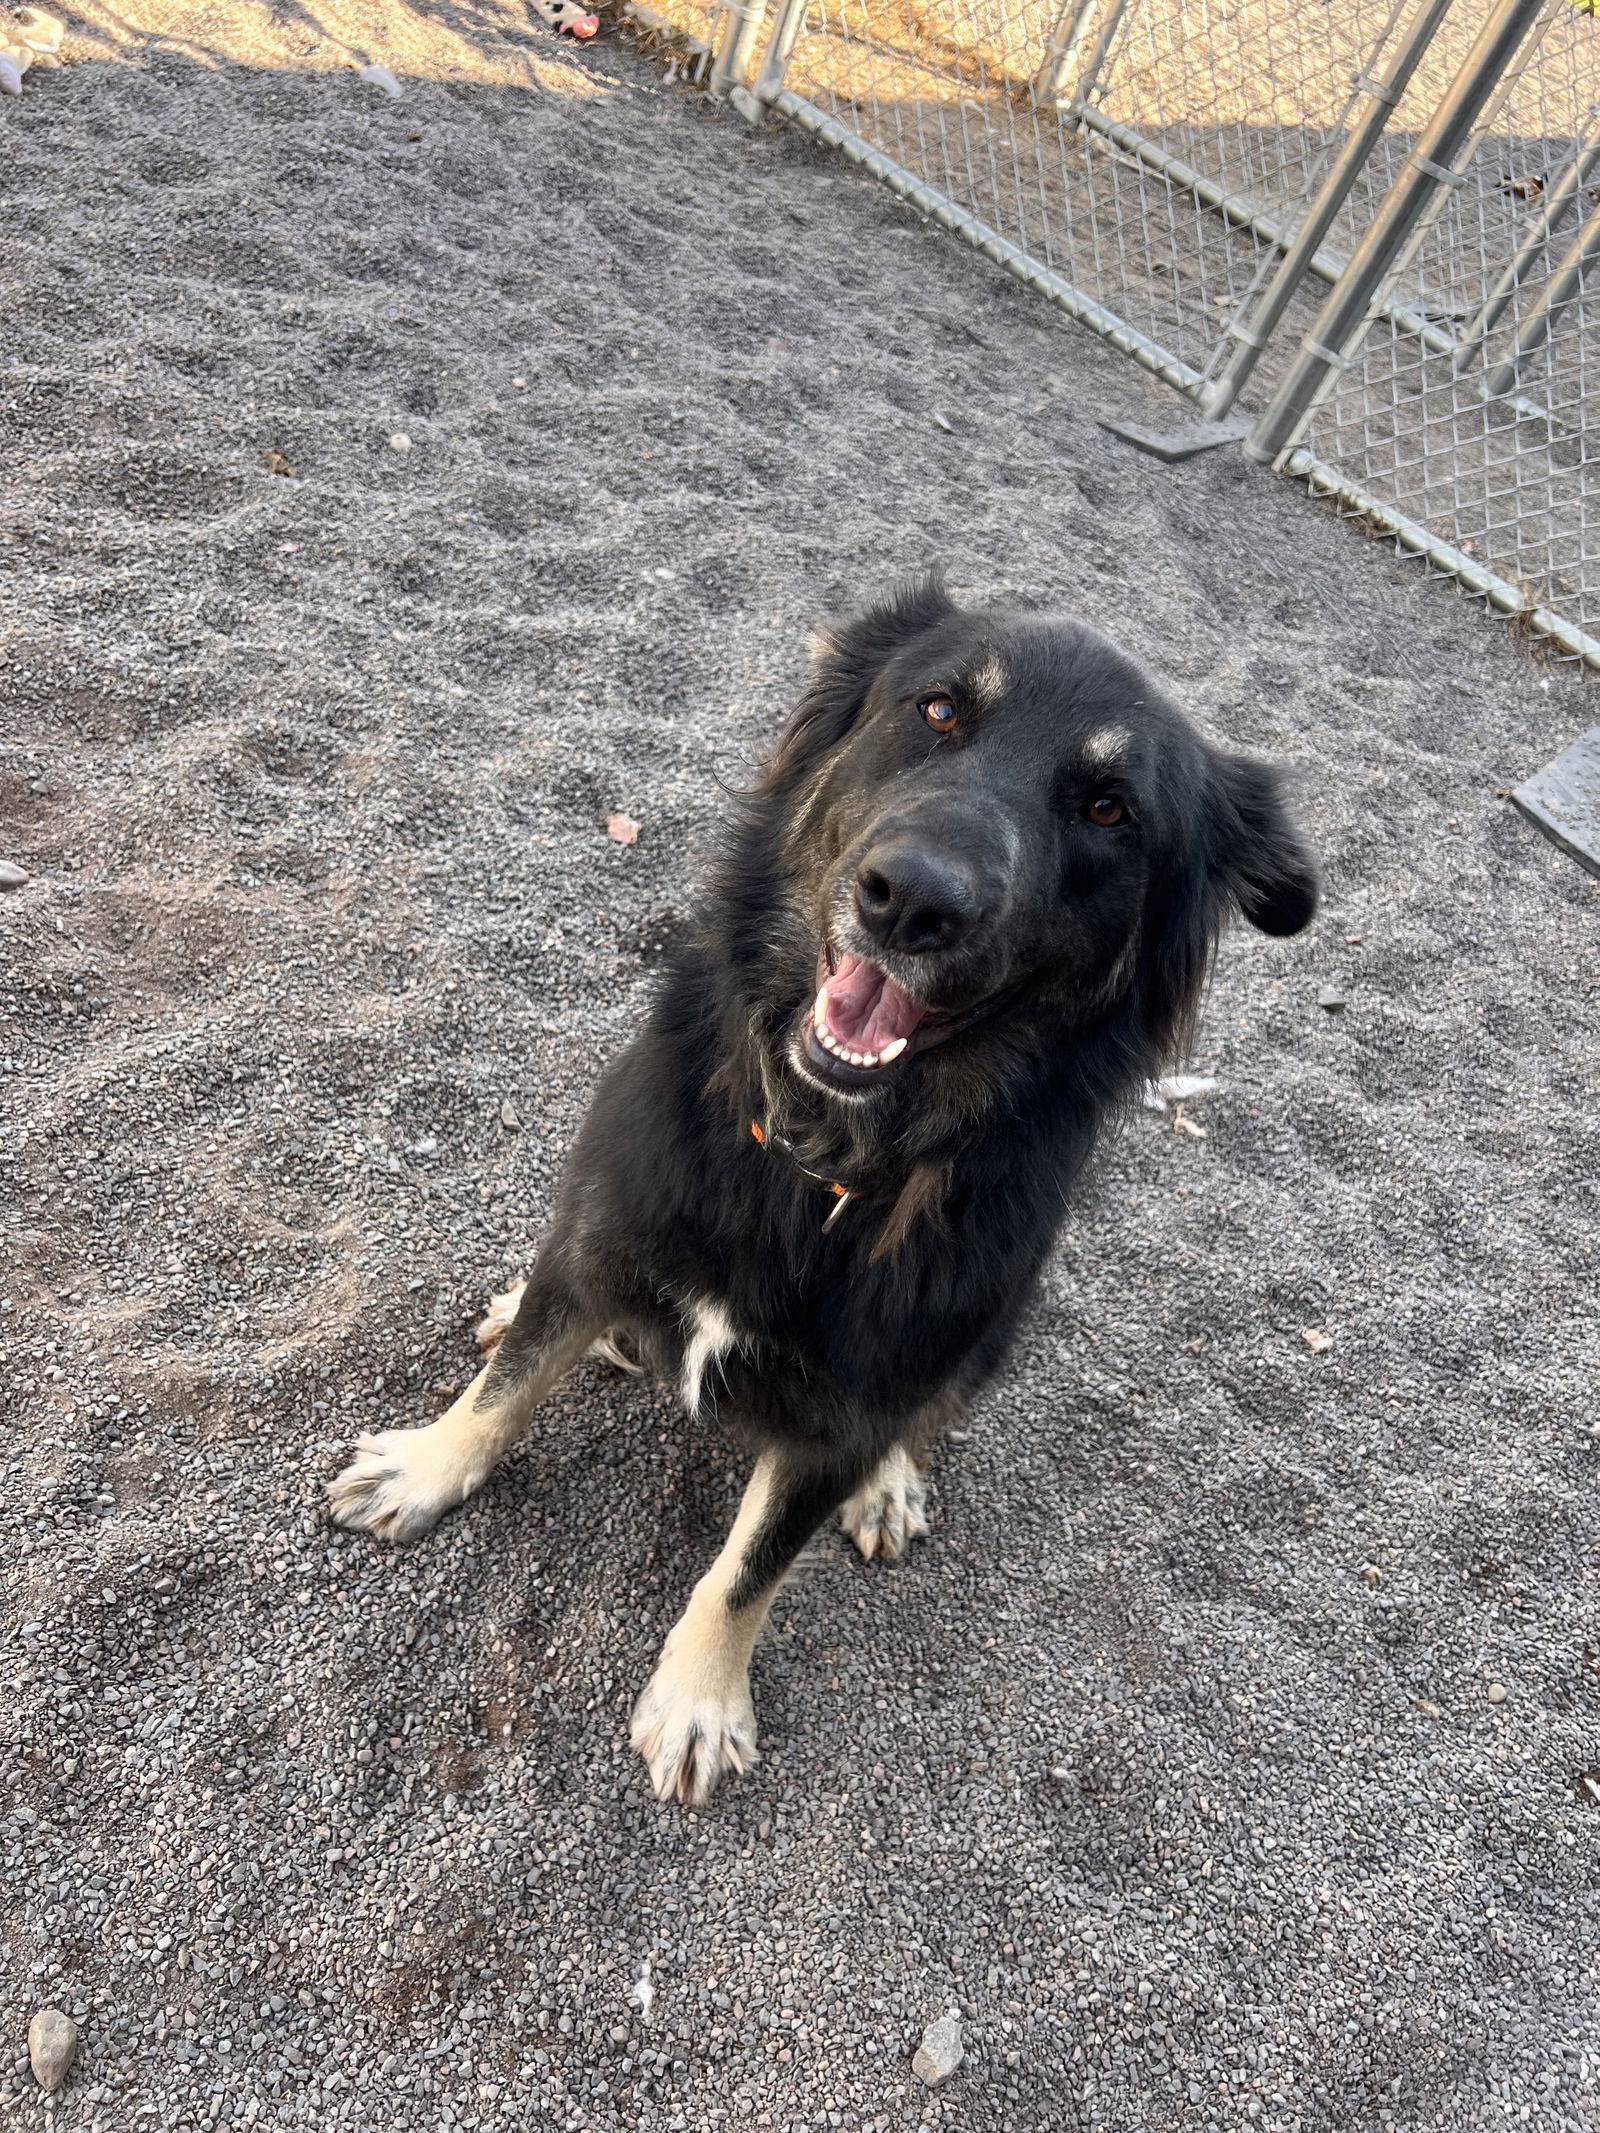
column 736, row 47
column 1054, row 83
column 1324, row 210
column 1561, row 291
column 1557, row 199
column 756, row 102
column 1434, row 166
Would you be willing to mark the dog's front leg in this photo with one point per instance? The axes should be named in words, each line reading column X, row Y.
column 402, row 1481
column 695, row 1721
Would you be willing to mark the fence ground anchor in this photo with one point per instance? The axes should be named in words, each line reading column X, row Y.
column 1179, row 444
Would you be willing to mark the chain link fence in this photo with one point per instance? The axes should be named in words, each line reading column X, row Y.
column 1461, row 420
column 1360, row 230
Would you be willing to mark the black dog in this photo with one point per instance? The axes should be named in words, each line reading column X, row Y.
column 966, row 915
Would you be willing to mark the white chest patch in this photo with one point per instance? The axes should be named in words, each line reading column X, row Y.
column 711, row 1333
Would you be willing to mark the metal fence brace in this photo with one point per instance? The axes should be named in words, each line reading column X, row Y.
column 1194, row 183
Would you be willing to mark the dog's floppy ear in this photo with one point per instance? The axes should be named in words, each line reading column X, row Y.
column 1243, row 850
column 850, row 656
column 1259, row 859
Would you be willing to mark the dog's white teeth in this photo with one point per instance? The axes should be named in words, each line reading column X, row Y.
column 830, row 1043
column 819, row 1011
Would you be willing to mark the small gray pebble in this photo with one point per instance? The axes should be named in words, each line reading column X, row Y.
column 12, row 876
column 52, row 2040
column 1331, row 998
column 939, row 2053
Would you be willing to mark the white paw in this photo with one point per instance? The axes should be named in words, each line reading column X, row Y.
column 889, row 1510
column 693, row 1730
column 400, row 1483
column 496, row 1321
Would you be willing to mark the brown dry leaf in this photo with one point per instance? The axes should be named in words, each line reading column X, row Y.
column 1180, row 1124
column 622, row 829
column 276, row 464
column 1318, row 1343
column 1428, row 1707
column 1371, row 1575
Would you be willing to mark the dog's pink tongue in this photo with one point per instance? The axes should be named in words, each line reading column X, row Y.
column 866, row 1008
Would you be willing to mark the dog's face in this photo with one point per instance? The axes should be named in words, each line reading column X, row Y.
column 990, row 816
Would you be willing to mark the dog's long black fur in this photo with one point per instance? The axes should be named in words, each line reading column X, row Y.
column 670, row 1196
column 1000, row 819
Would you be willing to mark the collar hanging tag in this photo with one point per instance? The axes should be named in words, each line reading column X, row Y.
column 842, row 1195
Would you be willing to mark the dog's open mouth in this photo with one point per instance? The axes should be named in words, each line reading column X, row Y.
column 864, row 1029
column 862, row 1025
column 862, row 1016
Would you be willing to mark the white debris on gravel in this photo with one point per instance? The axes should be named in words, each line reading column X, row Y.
column 1178, row 1089
column 304, row 1834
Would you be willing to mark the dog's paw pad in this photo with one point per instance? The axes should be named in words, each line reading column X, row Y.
column 889, row 1510
column 496, row 1321
column 395, row 1488
column 692, row 1742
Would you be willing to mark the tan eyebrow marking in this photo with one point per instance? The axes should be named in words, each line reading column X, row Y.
column 987, row 681
column 1108, row 746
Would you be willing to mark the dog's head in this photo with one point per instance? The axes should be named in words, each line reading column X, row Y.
column 986, row 821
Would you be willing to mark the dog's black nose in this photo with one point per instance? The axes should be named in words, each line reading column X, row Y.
column 914, row 900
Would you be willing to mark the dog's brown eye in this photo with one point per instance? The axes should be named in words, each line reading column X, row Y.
column 1107, row 810
column 940, row 713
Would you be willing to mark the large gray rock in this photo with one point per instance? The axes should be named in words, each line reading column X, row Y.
column 52, row 2041
column 939, row 2053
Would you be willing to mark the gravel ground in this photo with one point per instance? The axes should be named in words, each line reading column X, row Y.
column 1217, row 1755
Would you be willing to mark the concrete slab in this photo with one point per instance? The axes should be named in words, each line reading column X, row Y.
column 1563, row 799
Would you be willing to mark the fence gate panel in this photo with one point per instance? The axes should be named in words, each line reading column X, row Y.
column 1461, row 419
column 1150, row 160
column 1210, row 183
